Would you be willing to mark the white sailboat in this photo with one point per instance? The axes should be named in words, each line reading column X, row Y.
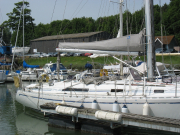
column 139, row 96
column 3, row 76
column 18, row 50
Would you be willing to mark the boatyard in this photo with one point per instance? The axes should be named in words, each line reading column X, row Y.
column 118, row 74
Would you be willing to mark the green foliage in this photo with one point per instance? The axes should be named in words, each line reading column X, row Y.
column 132, row 23
column 173, row 20
column 13, row 22
column 6, row 32
column 79, row 62
column 6, row 35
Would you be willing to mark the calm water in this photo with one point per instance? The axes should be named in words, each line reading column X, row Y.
column 17, row 120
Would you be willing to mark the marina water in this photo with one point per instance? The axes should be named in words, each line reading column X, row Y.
column 15, row 119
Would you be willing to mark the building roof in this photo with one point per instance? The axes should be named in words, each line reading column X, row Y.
column 164, row 39
column 65, row 36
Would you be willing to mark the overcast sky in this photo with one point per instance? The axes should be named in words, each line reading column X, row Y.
column 42, row 10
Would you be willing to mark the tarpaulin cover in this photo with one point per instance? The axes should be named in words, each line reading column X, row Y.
column 88, row 66
column 25, row 65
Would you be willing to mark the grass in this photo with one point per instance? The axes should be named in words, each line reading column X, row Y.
column 79, row 62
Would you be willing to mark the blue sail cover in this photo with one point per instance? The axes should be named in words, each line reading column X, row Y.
column 54, row 66
column 25, row 65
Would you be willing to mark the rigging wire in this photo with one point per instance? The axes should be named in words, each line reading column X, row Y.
column 127, row 18
column 103, row 7
column 60, row 32
column 63, row 17
column 161, row 20
column 116, row 23
column 76, row 8
column 75, row 15
column 1, row 16
column 53, row 10
column 161, row 31
column 98, row 14
column 112, row 32
column 16, row 39
column 52, row 15
column 168, row 45
column 102, row 22
column 128, row 40
column 61, row 22
column 143, row 16
column 108, row 17
column 132, row 18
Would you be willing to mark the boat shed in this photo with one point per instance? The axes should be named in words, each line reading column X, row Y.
column 168, row 42
column 49, row 43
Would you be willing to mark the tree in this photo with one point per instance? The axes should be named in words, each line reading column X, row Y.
column 13, row 22
column 6, row 33
column 173, row 21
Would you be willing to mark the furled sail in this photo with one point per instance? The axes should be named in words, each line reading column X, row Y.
column 130, row 43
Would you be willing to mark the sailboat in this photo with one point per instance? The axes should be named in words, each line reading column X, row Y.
column 18, row 50
column 132, row 94
column 2, row 76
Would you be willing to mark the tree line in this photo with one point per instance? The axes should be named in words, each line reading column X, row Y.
column 167, row 16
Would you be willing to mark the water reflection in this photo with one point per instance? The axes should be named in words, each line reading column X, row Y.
column 30, row 125
column 7, row 111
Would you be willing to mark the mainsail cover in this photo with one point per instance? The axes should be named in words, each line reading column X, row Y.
column 130, row 43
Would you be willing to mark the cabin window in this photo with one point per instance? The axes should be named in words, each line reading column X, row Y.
column 158, row 91
column 76, row 89
column 166, row 79
column 116, row 90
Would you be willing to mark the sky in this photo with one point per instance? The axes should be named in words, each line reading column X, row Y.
column 46, row 11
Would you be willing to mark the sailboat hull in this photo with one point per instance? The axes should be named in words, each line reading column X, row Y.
column 164, row 107
column 2, row 76
column 20, row 49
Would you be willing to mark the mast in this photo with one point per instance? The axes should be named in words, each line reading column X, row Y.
column 23, row 30
column 149, row 17
column 121, row 18
column 121, row 32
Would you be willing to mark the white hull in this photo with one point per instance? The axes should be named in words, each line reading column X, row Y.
column 165, row 107
column 33, row 77
column 20, row 49
column 29, row 77
column 161, row 104
column 9, row 79
column 2, row 76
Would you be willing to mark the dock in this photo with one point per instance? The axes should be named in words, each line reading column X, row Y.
column 117, row 119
